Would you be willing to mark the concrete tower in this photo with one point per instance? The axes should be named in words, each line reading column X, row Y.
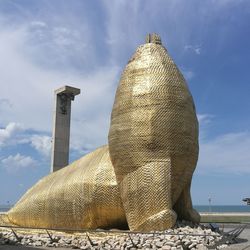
column 61, row 126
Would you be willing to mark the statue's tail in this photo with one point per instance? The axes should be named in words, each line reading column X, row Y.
column 4, row 220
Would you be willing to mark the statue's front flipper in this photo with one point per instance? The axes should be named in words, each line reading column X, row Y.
column 146, row 197
column 184, row 208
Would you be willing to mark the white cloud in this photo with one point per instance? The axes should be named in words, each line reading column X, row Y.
column 197, row 51
column 91, row 110
column 45, row 55
column 25, row 50
column 188, row 74
column 204, row 118
column 195, row 48
column 205, row 124
column 38, row 24
column 5, row 103
column 14, row 134
column 226, row 153
column 42, row 144
column 30, row 89
column 124, row 32
column 222, row 153
column 226, row 3
column 9, row 132
column 18, row 162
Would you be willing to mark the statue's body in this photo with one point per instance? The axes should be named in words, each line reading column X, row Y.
column 153, row 147
column 82, row 195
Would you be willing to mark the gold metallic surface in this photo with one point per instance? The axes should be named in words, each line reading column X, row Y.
column 153, row 147
column 81, row 195
column 153, row 139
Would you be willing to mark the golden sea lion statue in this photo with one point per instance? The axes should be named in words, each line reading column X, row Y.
column 142, row 178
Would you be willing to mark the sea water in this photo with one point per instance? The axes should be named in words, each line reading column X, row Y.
column 5, row 208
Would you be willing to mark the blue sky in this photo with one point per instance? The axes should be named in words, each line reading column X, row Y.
column 86, row 44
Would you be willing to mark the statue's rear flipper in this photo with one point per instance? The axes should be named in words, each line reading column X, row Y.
column 184, row 207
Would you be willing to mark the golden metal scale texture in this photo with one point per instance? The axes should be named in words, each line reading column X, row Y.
column 81, row 195
column 143, row 176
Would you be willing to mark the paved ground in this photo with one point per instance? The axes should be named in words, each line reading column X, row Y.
column 225, row 217
column 244, row 239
